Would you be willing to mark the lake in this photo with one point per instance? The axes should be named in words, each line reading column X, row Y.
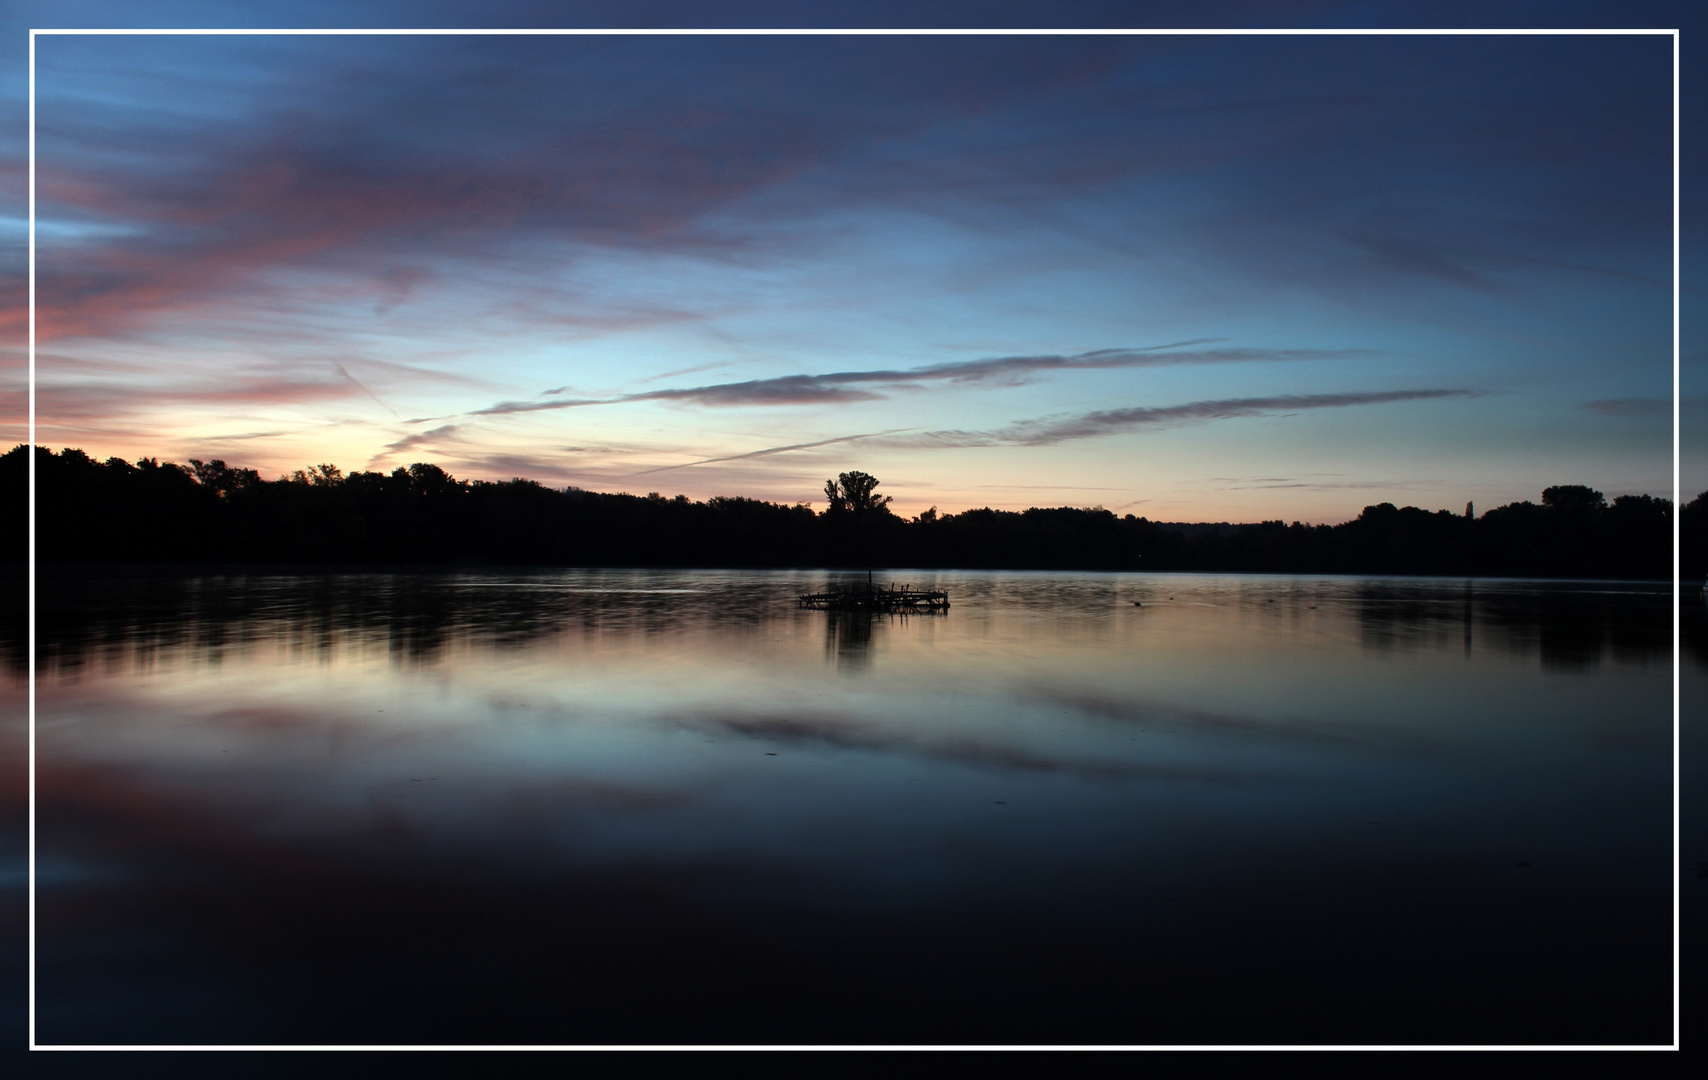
column 617, row 806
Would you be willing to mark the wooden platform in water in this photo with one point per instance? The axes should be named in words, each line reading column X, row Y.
column 869, row 597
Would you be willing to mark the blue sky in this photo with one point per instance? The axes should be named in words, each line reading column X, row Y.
column 1196, row 278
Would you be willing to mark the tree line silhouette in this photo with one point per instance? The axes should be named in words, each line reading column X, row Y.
column 149, row 511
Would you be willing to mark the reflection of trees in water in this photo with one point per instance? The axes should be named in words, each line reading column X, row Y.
column 1693, row 627
column 848, row 635
column 132, row 617
column 1569, row 628
column 848, row 638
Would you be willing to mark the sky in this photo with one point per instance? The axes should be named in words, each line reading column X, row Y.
column 1189, row 278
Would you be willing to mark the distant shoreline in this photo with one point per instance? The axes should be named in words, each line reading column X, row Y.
column 449, row 569
column 148, row 513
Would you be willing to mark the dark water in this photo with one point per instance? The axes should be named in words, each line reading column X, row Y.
column 661, row 806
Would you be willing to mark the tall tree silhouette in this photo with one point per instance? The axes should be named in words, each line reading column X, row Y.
column 855, row 492
column 833, row 492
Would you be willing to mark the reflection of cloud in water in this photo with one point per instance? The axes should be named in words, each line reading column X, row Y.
column 1133, row 711
column 571, row 588
column 363, row 933
column 563, row 827
column 856, row 733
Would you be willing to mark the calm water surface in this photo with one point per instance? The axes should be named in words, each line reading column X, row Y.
column 626, row 806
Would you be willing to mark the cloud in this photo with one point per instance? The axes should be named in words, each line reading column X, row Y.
column 264, row 390
column 244, row 436
column 696, row 369
column 839, row 386
column 1406, row 255
column 768, row 451
column 504, row 408
column 451, row 150
column 1631, row 406
column 464, row 147
column 846, row 386
column 500, row 177
column 1262, row 483
column 358, row 385
column 410, row 442
column 1090, row 425
column 785, row 390
column 518, row 466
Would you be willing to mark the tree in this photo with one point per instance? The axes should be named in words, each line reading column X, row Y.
column 1693, row 538
column 853, row 491
column 216, row 477
column 1573, row 497
column 428, row 479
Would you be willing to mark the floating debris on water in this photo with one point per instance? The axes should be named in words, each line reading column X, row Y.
column 873, row 597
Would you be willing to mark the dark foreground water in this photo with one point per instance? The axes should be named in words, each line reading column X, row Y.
column 615, row 806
